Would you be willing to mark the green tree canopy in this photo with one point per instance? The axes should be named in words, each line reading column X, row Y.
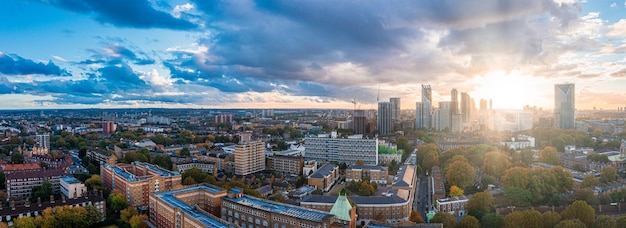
column 492, row 220
column 549, row 155
column 460, row 173
column 496, row 163
column 571, row 223
column 604, row 221
column 590, row 181
column 580, row 210
column 469, row 222
column 17, row 158
column 608, row 174
column 448, row 220
column 550, row 219
column 117, row 201
column 480, row 204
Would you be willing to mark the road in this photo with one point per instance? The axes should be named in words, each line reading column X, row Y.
column 423, row 200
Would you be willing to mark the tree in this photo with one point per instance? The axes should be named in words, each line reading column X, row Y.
column 604, row 221
column 492, row 220
column 44, row 191
column 496, row 163
column 17, row 158
column 469, row 222
column 93, row 214
column 550, row 219
column 137, row 220
column 3, row 225
column 416, row 217
column 92, row 169
column 117, row 201
column 481, row 203
column 587, row 195
column 448, row 220
column 518, row 197
column 580, row 210
column 24, row 222
column 94, row 182
column 608, row 174
column 516, row 177
column 590, row 181
column 163, row 161
column 189, row 181
column 571, row 223
column 456, row 191
column 2, row 180
column 527, row 156
column 621, row 221
column 527, row 218
column 549, row 155
column 460, row 173
column 563, row 178
column 127, row 213
column 185, row 152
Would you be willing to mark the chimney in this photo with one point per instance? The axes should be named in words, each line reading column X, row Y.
column 13, row 204
column 39, row 201
column 63, row 199
column 51, row 198
column 27, row 203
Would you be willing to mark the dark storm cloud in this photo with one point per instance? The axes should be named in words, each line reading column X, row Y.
column 16, row 65
column 123, row 13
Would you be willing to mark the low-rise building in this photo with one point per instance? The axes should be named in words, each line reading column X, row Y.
column 405, row 179
column 20, row 184
column 376, row 174
column 72, row 187
column 101, row 156
column 207, row 167
column 10, row 168
column 10, row 213
column 285, row 164
column 324, row 178
column 519, row 142
column 309, row 167
column 454, row 206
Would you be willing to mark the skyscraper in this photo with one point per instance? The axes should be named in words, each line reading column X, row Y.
column 384, row 118
column 454, row 101
column 43, row 141
column 358, row 122
column 249, row 157
column 418, row 115
column 444, row 116
column 395, row 108
column 564, row 106
column 427, row 104
column 465, row 108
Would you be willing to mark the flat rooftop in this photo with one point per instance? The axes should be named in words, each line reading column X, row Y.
column 191, row 211
column 70, row 180
column 279, row 208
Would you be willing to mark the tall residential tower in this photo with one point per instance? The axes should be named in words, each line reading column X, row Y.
column 564, row 106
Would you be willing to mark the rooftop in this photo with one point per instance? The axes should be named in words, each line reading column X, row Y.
column 370, row 167
column 404, row 177
column 70, row 180
column 279, row 208
column 323, row 171
column 20, row 167
column 191, row 211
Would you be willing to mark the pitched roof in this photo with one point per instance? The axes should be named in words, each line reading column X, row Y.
column 323, row 171
column 341, row 208
column 20, row 167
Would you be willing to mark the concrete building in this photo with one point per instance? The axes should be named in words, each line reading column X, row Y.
column 376, row 174
column 426, row 108
column 249, row 157
column 20, row 184
column 326, row 148
column 309, row 167
column 564, row 106
column 384, row 124
column 395, row 108
column 325, row 177
column 108, row 127
column 101, row 156
column 223, row 118
column 43, row 141
column 138, row 180
column 359, row 121
column 285, row 164
column 466, row 108
column 519, row 142
column 445, row 116
column 71, row 187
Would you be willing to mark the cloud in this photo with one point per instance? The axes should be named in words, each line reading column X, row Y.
column 16, row 65
column 136, row 13
column 614, row 5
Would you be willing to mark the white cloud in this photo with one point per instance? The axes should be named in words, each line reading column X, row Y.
column 59, row 58
column 153, row 77
column 614, row 5
column 179, row 9
column 618, row 29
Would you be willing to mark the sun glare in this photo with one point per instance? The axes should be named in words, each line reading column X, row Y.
column 509, row 90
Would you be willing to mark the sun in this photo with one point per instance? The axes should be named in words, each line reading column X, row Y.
column 510, row 90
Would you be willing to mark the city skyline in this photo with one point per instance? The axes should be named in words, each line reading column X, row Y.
column 314, row 54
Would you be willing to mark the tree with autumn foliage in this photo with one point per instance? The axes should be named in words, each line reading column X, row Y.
column 416, row 217
column 456, row 191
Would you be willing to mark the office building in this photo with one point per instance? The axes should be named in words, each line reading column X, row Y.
column 466, row 108
column 445, row 116
column 325, row 148
column 42, row 140
column 325, row 177
column 249, row 157
column 395, row 108
column 358, row 122
column 418, row 115
column 384, row 118
column 138, row 180
column 425, row 108
column 20, row 184
column 71, row 187
column 376, row 174
column 564, row 106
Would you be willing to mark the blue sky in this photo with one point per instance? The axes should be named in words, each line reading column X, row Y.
column 317, row 54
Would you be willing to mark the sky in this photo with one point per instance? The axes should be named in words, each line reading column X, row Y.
column 308, row 54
